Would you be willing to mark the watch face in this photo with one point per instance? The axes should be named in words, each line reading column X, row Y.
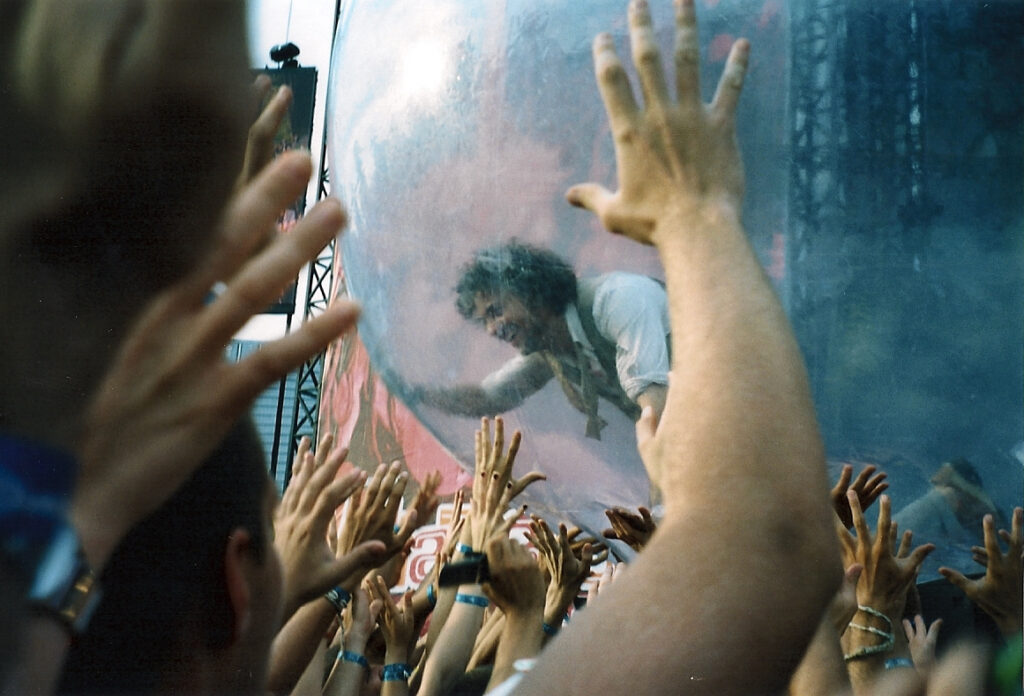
column 59, row 567
column 64, row 585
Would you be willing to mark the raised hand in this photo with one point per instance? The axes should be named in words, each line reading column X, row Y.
column 516, row 585
column 598, row 549
column 566, row 571
column 517, row 588
column 455, row 526
column 315, row 492
column 610, row 573
column 882, row 591
column 347, row 677
column 259, row 146
column 868, row 486
column 555, row 554
column 364, row 613
column 372, row 514
column 634, row 529
column 673, row 158
column 886, row 578
column 492, row 484
column 426, row 500
column 169, row 397
column 922, row 640
column 999, row 592
column 397, row 621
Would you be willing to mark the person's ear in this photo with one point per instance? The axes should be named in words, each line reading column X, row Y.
column 237, row 574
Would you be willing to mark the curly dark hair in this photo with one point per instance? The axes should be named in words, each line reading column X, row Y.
column 538, row 277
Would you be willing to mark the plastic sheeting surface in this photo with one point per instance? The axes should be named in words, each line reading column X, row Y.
column 883, row 156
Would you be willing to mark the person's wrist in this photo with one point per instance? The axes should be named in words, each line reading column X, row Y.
column 475, row 546
column 99, row 530
column 564, row 594
column 554, row 615
column 355, row 640
column 355, row 657
column 397, row 653
column 872, row 637
column 885, row 603
column 472, row 595
column 712, row 212
column 876, row 615
column 421, row 599
column 468, row 551
column 529, row 612
column 395, row 671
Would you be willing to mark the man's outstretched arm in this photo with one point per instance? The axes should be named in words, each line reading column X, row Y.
column 727, row 594
column 499, row 392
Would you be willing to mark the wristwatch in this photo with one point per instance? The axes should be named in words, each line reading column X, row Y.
column 36, row 538
column 64, row 585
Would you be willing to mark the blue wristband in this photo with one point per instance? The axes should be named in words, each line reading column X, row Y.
column 475, row 600
column 549, row 629
column 431, row 595
column 468, row 551
column 896, row 662
column 349, row 656
column 396, row 671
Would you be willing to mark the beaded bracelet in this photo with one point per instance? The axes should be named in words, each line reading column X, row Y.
column 431, row 595
column 872, row 629
column 877, row 614
column 868, row 651
column 349, row 656
column 890, row 638
column 475, row 600
column 339, row 597
column 896, row 662
column 396, row 671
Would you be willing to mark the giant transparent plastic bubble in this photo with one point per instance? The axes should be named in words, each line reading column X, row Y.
column 883, row 191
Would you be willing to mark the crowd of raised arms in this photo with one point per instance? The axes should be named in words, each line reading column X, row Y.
column 146, row 550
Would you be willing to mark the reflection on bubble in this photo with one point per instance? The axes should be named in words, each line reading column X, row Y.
column 884, row 210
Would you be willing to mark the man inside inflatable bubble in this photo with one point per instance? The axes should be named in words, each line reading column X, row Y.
column 606, row 336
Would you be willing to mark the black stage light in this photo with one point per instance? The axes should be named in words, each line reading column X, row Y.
column 285, row 55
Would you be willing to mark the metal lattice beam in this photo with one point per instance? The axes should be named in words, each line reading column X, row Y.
column 306, row 410
column 817, row 130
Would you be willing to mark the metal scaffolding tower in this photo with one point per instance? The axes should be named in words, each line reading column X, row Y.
column 306, row 409
column 816, row 196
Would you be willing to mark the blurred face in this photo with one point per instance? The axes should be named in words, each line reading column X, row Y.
column 505, row 317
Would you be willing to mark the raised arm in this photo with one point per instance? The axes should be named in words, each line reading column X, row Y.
column 517, row 588
column 998, row 593
column 565, row 570
column 499, row 392
column 738, row 431
column 371, row 516
column 493, row 489
column 876, row 636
